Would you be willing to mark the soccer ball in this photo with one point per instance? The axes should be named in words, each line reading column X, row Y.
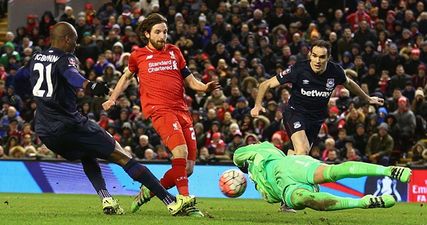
column 232, row 183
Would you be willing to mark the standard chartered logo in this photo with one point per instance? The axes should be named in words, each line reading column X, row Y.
column 162, row 65
column 316, row 93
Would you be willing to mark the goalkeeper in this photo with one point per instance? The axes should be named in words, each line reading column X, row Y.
column 293, row 179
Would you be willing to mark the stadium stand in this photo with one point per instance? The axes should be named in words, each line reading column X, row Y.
column 382, row 45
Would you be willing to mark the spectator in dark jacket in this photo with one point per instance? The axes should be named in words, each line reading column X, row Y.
column 379, row 146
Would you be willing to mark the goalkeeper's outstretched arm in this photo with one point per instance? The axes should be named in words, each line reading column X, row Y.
column 242, row 156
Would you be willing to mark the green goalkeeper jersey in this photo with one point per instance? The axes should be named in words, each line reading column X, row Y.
column 274, row 173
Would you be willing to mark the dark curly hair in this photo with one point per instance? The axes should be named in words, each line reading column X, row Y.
column 147, row 24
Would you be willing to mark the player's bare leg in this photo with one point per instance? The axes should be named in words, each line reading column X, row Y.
column 291, row 152
column 300, row 142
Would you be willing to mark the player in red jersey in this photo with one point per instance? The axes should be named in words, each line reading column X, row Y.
column 162, row 73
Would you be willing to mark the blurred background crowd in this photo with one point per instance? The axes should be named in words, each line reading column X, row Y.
column 381, row 44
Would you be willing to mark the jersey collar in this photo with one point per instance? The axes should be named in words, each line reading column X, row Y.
column 153, row 50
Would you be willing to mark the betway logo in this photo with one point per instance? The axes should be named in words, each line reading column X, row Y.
column 316, row 93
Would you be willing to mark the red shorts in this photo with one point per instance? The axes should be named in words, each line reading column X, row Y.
column 176, row 128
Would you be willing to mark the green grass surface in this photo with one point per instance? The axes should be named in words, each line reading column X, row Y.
column 86, row 209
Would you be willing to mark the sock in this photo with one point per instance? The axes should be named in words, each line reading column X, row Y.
column 354, row 170
column 167, row 181
column 179, row 174
column 322, row 201
column 94, row 174
column 143, row 175
column 103, row 193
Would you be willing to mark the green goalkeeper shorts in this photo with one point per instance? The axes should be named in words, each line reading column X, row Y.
column 299, row 173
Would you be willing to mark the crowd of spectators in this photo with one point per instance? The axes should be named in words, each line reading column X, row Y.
column 381, row 44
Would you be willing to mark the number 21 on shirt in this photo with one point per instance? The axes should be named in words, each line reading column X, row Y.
column 45, row 75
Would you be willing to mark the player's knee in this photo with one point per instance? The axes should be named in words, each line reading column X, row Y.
column 301, row 199
column 301, row 152
column 119, row 158
column 302, row 149
column 180, row 151
column 296, row 199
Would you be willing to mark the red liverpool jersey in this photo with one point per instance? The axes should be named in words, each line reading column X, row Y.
column 161, row 84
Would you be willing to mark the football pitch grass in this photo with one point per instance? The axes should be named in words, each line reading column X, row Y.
column 86, row 209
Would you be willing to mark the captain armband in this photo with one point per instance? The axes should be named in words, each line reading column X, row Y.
column 185, row 72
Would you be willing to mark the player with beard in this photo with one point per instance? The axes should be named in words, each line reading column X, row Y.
column 63, row 129
column 162, row 74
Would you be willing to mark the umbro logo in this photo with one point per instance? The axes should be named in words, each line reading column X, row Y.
column 149, row 57
column 305, row 81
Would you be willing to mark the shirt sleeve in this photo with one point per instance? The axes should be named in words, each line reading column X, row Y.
column 181, row 60
column 68, row 61
column 74, row 78
column 288, row 75
column 68, row 68
column 341, row 77
column 133, row 65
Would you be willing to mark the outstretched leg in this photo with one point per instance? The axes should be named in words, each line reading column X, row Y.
column 94, row 174
column 143, row 175
column 302, row 198
column 331, row 173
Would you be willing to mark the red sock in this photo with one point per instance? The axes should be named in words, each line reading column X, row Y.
column 177, row 175
column 167, row 181
column 180, row 175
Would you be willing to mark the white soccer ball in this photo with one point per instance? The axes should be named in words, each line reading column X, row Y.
column 232, row 183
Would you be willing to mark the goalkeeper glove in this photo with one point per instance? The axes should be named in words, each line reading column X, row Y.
column 244, row 168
